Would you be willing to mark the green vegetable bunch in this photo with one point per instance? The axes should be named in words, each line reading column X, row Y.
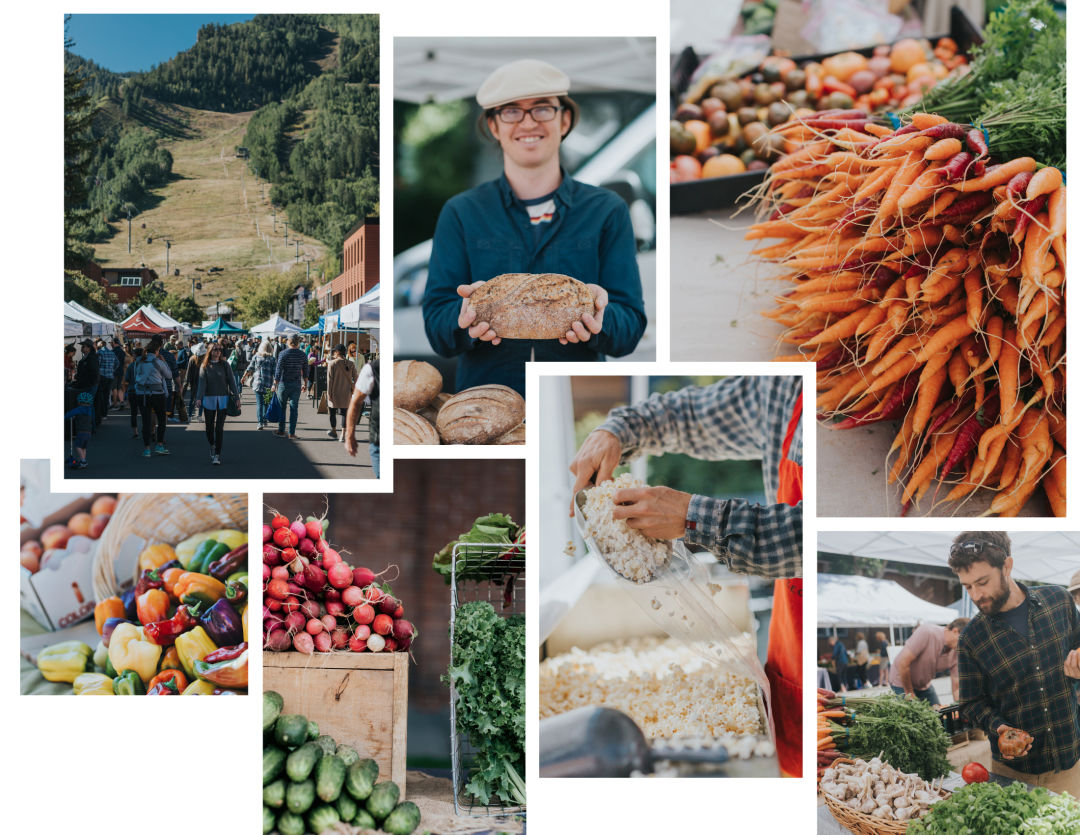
column 487, row 669
column 1060, row 814
column 495, row 528
column 908, row 731
column 984, row 809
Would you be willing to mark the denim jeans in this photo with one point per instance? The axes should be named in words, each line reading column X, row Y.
column 373, row 450
column 929, row 695
column 290, row 402
column 261, row 405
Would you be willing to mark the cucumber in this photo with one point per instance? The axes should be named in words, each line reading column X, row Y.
column 322, row 817
column 312, row 729
column 291, row 730
column 363, row 819
column 300, row 796
column 273, row 763
column 274, row 794
column 290, row 824
column 346, row 806
column 347, row 754
column 269, row 820
column 403, row 820
column 272, row 705
column 360, row 778
column 329, row 777
column 302, row 761
column 384, row 797
column 328, row 744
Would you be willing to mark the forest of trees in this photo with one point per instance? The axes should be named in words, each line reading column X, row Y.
column 127, row 164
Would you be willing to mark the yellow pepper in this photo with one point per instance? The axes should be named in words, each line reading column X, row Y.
column 93, row 684
column 155, row 556
column 186, row 549
column 129, row 650
column 65, row 661
column 243, row 620
column 193, row 646
column 199, row 688
column 204, row 588
column 170, row 660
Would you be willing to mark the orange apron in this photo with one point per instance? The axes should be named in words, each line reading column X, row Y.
column 784, row 665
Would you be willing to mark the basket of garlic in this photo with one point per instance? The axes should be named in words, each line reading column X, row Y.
column 873, row 798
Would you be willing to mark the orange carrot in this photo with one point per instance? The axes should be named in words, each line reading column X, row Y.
column 947, row 335
column 996, row 176
column 943, row 149
column 1043, row 181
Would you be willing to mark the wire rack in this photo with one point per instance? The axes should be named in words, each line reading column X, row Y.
column 491, row 577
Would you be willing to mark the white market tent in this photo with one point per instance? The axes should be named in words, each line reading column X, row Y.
column 72, row 327
column 275, row 326
column 1042, row 556
column 164, row 320
column 99, row 325
column 364, row 312
column 847, row 599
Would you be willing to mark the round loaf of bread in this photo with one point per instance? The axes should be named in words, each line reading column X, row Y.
column 431, row 411
column 480, row 415
column 413, row 429
column 514, row 436
column 531, row 305
column 415, row 384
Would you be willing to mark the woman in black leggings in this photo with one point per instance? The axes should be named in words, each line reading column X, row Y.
column 216, row 386
column 151, row 374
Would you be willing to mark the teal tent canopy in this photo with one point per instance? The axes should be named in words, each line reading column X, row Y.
column 219, row 327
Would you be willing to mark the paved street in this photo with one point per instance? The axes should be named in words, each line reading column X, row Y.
column 246, row 452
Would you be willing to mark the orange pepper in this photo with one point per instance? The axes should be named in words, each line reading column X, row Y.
column 110, row 607
column 170, row 675
column 152, row 606
column 191, row 581
column 170, row 577
column 170, row 660
column 155, row 556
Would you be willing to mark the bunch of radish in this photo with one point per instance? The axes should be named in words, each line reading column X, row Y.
column 313, row 601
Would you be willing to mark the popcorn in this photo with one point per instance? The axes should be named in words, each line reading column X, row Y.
column 631, row 553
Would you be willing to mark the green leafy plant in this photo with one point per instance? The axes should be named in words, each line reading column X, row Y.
column 985, row 808
column 495, row 528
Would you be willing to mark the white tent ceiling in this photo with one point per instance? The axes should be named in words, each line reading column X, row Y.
column 445, row 69
column 275, row 326
column 851, row 599
column 1044, row 556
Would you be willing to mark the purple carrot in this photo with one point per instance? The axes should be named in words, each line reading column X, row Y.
column 898, row 400
column 1019, row 183
column 976, row 143
column 966, row 205
column 1028, row 210
column 880, row 277
column 956, row 168
column 946, row 130
column 831, row 359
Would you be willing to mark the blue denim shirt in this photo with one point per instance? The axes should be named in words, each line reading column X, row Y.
column 485, row 232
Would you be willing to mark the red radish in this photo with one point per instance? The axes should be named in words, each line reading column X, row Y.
column 329, row 622
column 399, row 612
column 388, row 604
column 335, row 608
column 364, row 613
column 278, row 640
column 298, row 529
column 357, row 644
column 302, row 642
column 373, row 594
column 279, row 521
column 288, row 554
column 330, row 593
column 403, row 630
column 307, row 548
column 311, row 608
column 314, row 627
column 285, row 538
column 314, row 530
column 267, row 533
column 314, row 578
column 271, row 555
column 273, row 604
column 323, row 642
column 330, row 558
column 339, row 575
column 295, row 622
column 290, row 604
column 404, row 645
column 267, row 572
column 280, row 572
column 363, row 577
column 376, row 643
column 363, row 632
column 321, row 546
column 352, row 596
column 382, row 625
column 278, row 589
column 340, row 638
column 391, row 645
column 294, row 588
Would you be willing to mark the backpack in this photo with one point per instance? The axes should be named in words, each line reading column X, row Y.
column 147, row 376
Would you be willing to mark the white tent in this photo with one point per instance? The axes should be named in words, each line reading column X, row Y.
column 275, row 326
column 1043, row 556
column 99, row 325
column 362, row 313
column 72, row 327
column 848, row 599
column 164, row 320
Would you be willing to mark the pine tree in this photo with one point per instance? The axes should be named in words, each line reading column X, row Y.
column 78, row 150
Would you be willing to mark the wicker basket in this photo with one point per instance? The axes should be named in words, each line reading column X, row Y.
column 859, row 822
column 162, row 518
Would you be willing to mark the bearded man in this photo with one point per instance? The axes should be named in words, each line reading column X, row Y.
column 1019, row 666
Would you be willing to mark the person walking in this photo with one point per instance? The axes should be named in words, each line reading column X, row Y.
column 883, row 660
column 290, row 376
column 260, row 373
column 151, row 390
column 122, row 361
column 107, row 367
column 840, row 664
column 366, row 388
column 166, row 355
column 129, row 388
column 216, row 386
column 862, row 660
column 340, row 381
column 191, row 379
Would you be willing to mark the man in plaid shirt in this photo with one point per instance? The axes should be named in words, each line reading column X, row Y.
column 107, row 365
column 737, row 418
column 1019, row 665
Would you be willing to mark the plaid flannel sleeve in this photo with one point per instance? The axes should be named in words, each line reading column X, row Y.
column 765, row 541
column 975, row 703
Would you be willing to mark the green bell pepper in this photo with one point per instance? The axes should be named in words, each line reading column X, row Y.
column 128, row 683
column 208, row 551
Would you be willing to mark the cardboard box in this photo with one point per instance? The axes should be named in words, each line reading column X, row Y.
column 359, row 698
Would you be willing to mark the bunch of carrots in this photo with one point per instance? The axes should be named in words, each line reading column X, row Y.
column 829, row 730
column 929, row 288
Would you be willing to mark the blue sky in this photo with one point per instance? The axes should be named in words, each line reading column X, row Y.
column 130, row 42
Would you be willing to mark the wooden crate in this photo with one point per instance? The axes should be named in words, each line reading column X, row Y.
column 359, row 698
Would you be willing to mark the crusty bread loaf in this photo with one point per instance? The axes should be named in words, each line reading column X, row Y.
column 480, row 415
column 531, row 305
column 514, row 436
column 415, row 384
column 413, row 429
column 431, row 411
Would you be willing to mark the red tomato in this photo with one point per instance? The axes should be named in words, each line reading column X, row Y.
column 975, row 773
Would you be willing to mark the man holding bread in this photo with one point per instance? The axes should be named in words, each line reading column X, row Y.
column 533, row 265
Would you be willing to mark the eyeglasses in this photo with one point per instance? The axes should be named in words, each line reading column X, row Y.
column 539, row 113
column 974, row 548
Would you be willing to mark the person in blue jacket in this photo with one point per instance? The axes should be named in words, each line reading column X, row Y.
column 532, row 219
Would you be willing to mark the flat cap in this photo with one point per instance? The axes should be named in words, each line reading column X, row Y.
column 524, row 79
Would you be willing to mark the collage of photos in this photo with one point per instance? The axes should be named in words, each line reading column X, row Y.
column 832, row 317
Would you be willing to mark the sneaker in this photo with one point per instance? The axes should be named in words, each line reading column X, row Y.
column 215, row 459
column 294, row 437
column 161, row 450
column 146, row 453
column 81, row 465
column 260, row 427
column 332, row 433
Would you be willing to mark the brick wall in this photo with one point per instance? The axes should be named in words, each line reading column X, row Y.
column 433, row 503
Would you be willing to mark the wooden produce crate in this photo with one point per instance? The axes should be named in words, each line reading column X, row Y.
column 359, row 698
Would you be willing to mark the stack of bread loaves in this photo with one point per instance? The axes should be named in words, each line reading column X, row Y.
column 424, row 414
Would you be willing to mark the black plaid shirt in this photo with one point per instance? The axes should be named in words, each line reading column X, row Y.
column 1006, row 679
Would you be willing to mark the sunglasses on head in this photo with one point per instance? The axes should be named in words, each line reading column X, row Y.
column 974, row 548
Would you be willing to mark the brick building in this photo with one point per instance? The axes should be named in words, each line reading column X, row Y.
column 360, row 267
column 122, row 284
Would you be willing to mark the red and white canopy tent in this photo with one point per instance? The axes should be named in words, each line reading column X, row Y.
column 143, row 323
